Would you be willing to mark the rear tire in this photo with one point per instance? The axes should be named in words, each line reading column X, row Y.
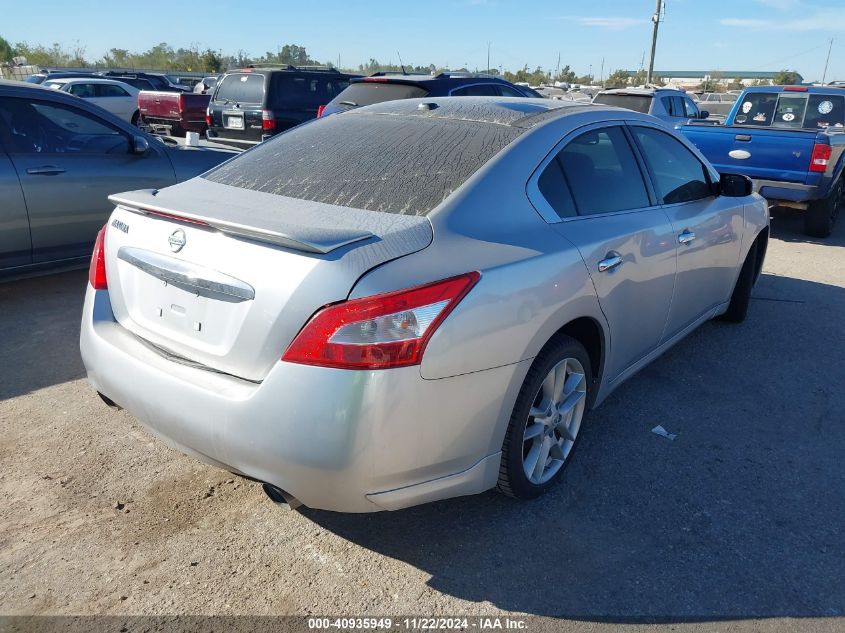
column 136, row 119
column 821, row 214
column 556, row 419
column 741, row 297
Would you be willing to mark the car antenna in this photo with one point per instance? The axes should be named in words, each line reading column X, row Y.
column 401, row 65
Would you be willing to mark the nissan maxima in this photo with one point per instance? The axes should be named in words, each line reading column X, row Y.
column 414, row 300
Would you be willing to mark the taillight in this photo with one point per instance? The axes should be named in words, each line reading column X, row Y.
column 173, row 216
column 181, row 102
column 819, row 158
column 378, row 332
column 320, row 110
column 208, row 118
column 268, row 120
column 97, row 269
column 795, row 89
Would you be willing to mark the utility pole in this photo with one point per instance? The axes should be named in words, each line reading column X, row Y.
column 557, row 68
column 591, row 74
column 602, row 72
column 487, row 70
column 824, row 74
column 656, row 20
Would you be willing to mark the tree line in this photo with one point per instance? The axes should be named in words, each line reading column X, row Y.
column 165, row 57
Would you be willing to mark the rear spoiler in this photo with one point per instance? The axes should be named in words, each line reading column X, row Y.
column 143, row 202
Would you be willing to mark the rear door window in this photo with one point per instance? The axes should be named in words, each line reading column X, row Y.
column 110, row 90
column 552, row 184
column 602, row 173
column 241, row 88
column 507, row 91
column 362, row 93
column 477, row 90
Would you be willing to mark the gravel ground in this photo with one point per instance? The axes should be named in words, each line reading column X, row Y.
column 734, row 525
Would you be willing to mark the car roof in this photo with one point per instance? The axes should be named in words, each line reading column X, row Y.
column 642, row 92
column 321, row 70
column 797, row 89
column 510, row 111
column 87, row 80
column 424, row 78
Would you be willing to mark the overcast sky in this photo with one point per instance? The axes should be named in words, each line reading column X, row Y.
column 696, row 35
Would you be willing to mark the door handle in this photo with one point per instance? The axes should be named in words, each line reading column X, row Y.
column 686, row 237
column 610, row 261
column 45, row 170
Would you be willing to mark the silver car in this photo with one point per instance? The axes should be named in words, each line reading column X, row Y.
column 414, row 300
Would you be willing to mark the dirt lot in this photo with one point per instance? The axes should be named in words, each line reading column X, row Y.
column 739, row 518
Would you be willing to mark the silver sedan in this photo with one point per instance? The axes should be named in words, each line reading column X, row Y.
column 415, row 300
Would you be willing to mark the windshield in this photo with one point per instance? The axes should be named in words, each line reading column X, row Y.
column 241, row 88
column 396, row 164
column 363, row 93
column 638, row 103
column 791, row 111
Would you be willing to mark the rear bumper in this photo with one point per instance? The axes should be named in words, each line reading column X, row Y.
column 351, row 441
column 216, row 137
column 779, row 191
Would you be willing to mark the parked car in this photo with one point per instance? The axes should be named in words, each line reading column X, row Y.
column 173, row 113
column 136, row 82
column 389, row 86
column 117, row 97
column 45, row 74
column 669, row 105
column 417, row 299
column 205, row 85
column 158, row 81
column 717, row 104
column 252, row 104
column 791, row 141
column 60, row 158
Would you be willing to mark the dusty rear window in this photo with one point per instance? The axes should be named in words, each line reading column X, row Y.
column 361, row 93
column 638, row 103
column 241, row 88
column 380, row 162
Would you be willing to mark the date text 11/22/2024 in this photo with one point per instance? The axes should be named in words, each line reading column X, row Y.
column 417, row 623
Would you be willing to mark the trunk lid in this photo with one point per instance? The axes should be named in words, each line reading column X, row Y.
column 229, row 285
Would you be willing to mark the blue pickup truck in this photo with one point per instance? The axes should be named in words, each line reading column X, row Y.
column 790, row 140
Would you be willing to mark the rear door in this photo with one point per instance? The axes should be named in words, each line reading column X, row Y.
column 115, row 99
column 69, row 161
column 595, row 184
column 707, row 228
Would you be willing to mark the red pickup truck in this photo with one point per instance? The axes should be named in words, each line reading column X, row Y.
column 173, row 113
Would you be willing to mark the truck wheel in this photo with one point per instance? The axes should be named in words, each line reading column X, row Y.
column 821, row 215
column 546, row 418
column 741, row 297
column 136, row 119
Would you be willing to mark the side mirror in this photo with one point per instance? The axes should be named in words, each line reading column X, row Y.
column 735, row 185
column 703, row 114
column 140, row 145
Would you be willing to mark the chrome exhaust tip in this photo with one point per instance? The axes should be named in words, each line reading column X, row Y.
column 280, row 497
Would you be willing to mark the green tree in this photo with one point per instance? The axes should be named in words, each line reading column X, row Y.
column 617, row 79
column 786, row 78
column 6, row 51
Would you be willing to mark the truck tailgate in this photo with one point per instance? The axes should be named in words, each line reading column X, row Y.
column 763, row 154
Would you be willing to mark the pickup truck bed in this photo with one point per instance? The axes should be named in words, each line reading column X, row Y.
column 790, row 142
column 173, row 113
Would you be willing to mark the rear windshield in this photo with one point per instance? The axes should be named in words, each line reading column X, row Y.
column 790, row 110
column 370, row 92
column 241, row 88
column 638, row 103
column 396, row 164
column 305, row 90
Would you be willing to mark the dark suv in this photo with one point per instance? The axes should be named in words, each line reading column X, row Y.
column 252, row 104
column 391, row 86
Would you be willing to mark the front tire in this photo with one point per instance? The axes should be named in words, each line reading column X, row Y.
column 741, row 297
column 821, row 214
column 544, row 425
